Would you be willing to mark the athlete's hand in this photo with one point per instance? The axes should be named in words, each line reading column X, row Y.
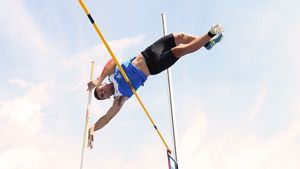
column 92, row 84
column 91, row 138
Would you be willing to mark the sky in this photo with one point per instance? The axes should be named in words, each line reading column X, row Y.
column 237, row 106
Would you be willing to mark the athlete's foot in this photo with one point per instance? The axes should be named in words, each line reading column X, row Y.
column 215, row 30
column 216, row 34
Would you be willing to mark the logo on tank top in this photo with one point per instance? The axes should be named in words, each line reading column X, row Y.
column 118, row 76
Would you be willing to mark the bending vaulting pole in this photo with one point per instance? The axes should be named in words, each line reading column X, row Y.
column 122, row 72
column 87, row 118
column 170, row 91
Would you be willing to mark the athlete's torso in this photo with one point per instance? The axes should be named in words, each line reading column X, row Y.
column 134, row 70
column 140, row 63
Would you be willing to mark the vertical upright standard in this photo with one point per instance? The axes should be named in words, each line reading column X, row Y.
column 87, row 118
column 171, row 100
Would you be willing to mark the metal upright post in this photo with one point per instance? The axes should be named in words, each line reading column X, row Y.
column 171, row 100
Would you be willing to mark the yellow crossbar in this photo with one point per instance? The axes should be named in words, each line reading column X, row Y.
column 122, row 72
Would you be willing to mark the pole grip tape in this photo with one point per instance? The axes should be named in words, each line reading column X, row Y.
column 91, row 18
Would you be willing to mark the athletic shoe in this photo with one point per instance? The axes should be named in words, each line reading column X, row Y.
column 216, row 39
column 216, row 29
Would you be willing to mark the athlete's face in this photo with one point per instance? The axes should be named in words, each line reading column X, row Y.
column 104, row 91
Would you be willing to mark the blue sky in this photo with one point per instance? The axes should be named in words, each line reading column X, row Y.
column 237, row 106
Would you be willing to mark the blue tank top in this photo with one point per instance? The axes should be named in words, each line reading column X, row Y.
column 136, row 77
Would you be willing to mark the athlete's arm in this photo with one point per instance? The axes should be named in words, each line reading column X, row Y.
column 114, row 109
column 107, row 70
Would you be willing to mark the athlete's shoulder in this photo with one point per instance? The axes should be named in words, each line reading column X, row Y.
column 120, row 100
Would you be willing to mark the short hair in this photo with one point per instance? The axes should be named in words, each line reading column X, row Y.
column 96, row 94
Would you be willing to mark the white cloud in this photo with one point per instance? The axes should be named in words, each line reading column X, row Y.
column 238, row 148
column 259, row 102
column 21, row 118
column 18, row 82
column 99, row 53
column 290, row 49
column 42, row 152
column 23, row 140
column 19, row 26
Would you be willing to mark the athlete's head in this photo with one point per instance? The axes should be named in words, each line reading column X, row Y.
column 104, row 91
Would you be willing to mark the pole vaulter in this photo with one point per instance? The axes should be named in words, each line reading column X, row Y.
column 122, row 72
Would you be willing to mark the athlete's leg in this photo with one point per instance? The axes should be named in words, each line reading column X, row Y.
column 190, row 47
column 167, row 50
column 183, row 38
column 195, row 43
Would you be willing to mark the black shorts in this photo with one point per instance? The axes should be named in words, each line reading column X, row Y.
column 159, row 56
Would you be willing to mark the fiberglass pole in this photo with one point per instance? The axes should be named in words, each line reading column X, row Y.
column 170, row 91
column 87, row 118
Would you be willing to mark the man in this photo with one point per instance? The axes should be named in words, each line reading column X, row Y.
column 156, row 58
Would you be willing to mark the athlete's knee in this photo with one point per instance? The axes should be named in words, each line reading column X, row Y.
column 179, row 37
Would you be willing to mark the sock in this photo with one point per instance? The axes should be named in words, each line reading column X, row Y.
column 210, row 34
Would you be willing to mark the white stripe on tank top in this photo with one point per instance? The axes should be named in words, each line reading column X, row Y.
column 112, row 79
